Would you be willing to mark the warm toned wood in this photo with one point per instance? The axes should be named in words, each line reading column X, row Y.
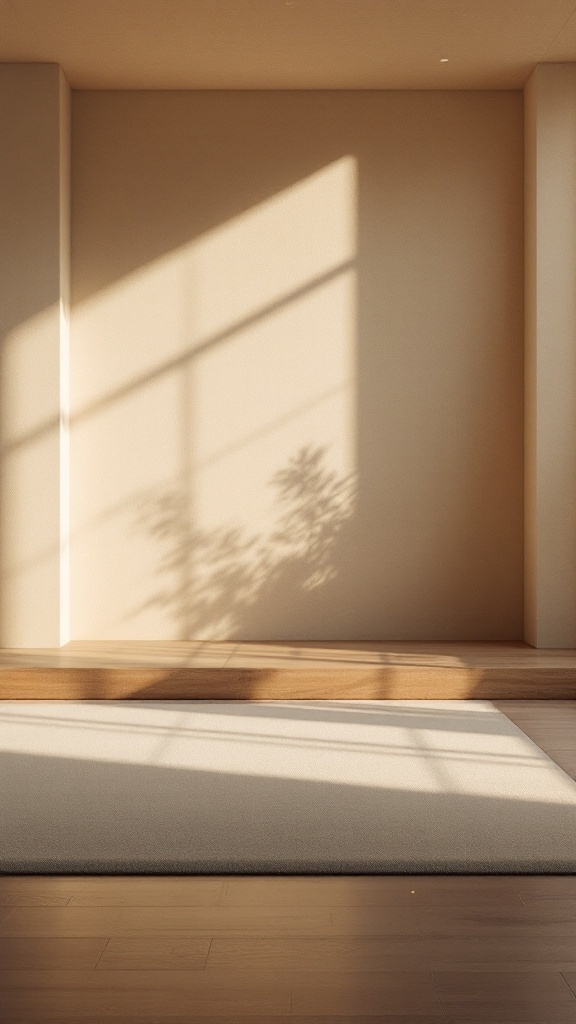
column 402, row 953
column 545, row 918
column 485, row 920
column 570, row 978
column 126, row 891
column 302, row 654
column 288, row 672
column 173, row 921
column 111, row 891
column 409, row 683
column 63, row 921
column 79, row 994
column 504, row 995
column 4, row 911
column 251, row 1019
column 52, row 953
column 385, row 992
column 386, row 921
column 550, row 710
column 545, row 887
column 229, row 921
column 32, row 899
column 154, row 954
column 552, row 726
column 552, row 737
column 370, row 891
column 363, row 976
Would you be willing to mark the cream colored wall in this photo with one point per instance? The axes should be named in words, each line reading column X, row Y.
column 34, row 296
column 297, row 365
column 530, row 272
column 550, row 114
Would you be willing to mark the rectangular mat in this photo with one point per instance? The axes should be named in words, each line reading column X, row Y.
column 278, row 787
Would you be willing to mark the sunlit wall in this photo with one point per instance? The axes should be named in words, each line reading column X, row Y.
column 296, row 366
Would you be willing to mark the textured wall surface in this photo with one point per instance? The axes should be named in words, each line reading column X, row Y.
column 34, row 301
column 297, row 365
column 550, row 189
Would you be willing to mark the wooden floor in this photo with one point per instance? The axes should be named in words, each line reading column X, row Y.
column 244, row 950
column 307, row 671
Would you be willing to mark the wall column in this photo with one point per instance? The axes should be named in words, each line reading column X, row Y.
column 34, row 354
column 550, row 361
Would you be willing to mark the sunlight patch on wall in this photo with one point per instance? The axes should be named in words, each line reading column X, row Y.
column 272, row 390
column 197, row 383
column 188, row 297
column 282, row 246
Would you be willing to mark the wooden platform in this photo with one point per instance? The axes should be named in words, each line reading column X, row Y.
column 297, row 671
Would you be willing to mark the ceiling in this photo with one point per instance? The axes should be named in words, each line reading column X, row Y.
column 290, row 44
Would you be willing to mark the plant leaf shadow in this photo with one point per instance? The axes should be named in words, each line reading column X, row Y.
column 230, row 584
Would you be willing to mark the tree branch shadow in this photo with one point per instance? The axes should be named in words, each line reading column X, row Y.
column 228, row 584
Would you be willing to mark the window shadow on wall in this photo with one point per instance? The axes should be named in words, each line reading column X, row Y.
column 408, row 525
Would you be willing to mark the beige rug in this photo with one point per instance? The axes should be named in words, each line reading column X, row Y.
column 304, row 786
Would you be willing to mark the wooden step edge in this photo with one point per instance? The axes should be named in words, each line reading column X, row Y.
column 366, row 683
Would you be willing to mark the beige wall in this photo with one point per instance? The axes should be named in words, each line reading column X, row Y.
column 34, row 299
column 550, row 115
column 297, row 365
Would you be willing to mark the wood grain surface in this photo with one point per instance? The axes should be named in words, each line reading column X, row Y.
column 212, row 671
